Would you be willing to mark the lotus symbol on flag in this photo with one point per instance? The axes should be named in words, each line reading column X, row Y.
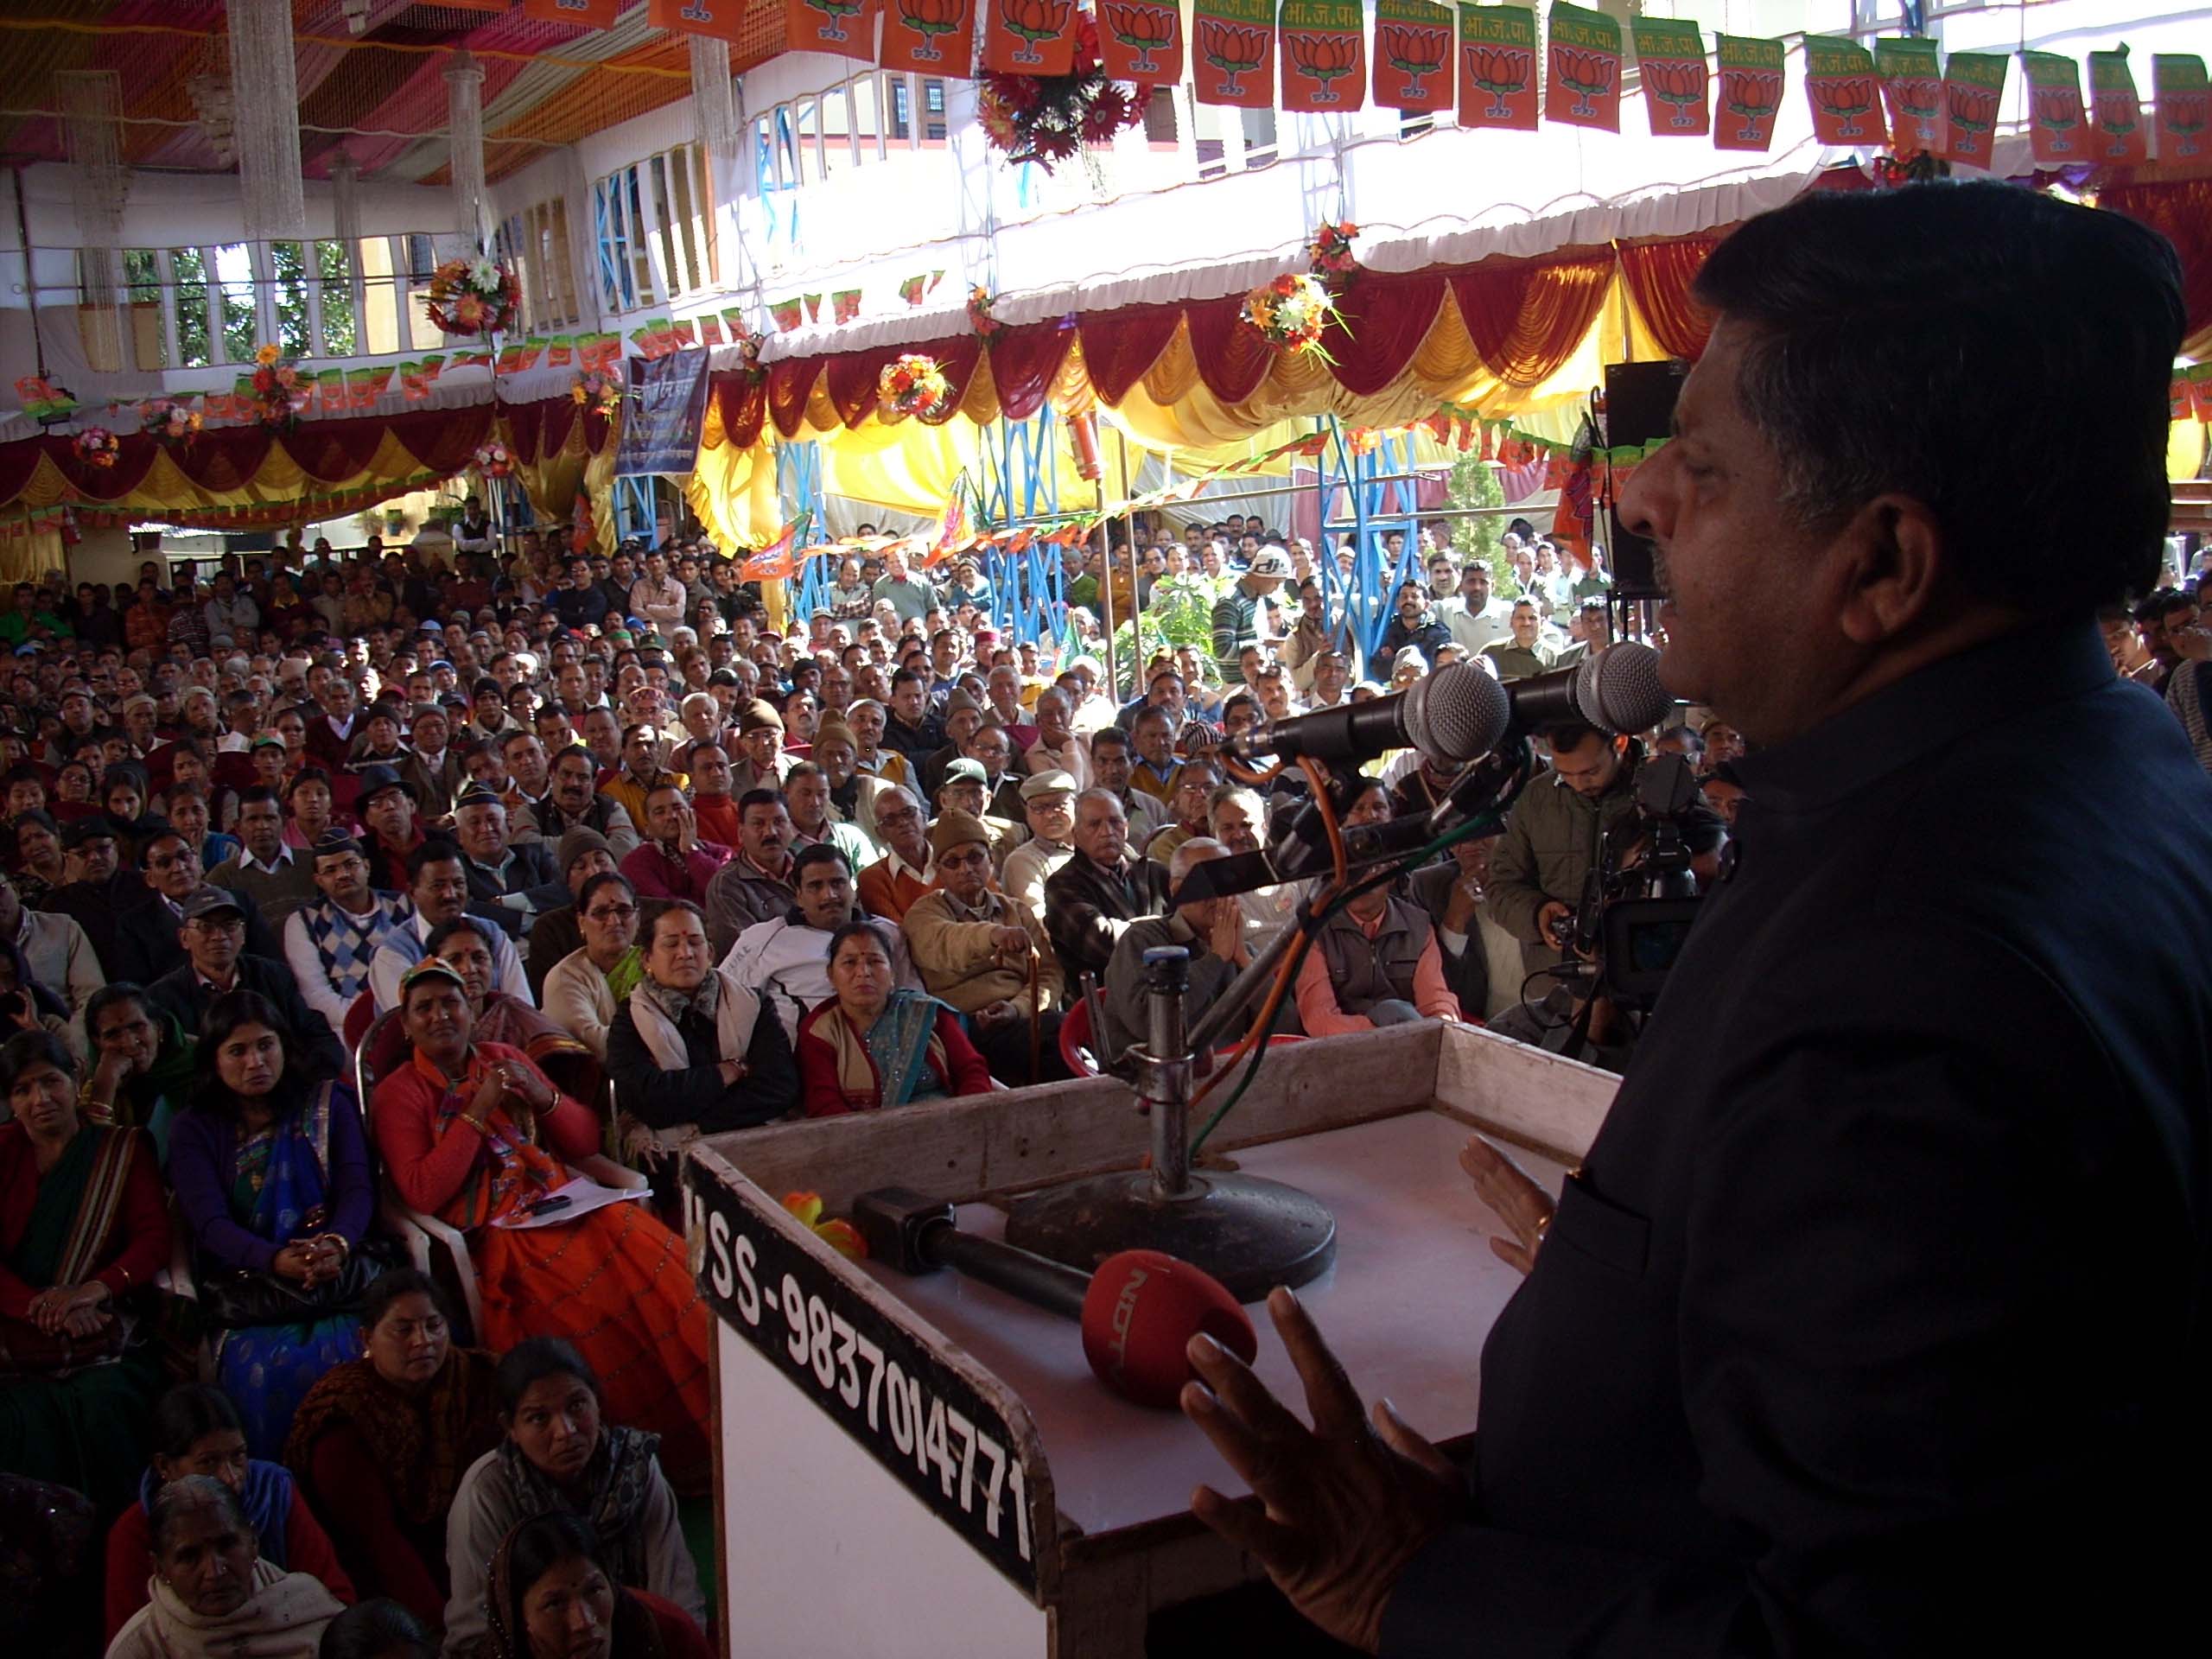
column 1414, row 51
column 1916, row 96
column 1678, row 83
column 1752, row 95
column 1034, row 20
column 1587, row 74
column 2059, row 111
column 2186, row 113
column 836, row 12
column 1501, row 71
column 1235, row 49
column 1974, row 112
column 928, row 19
column 1322, row 58
column 1146, row 28
column 1847, row 99
column 2118, row 113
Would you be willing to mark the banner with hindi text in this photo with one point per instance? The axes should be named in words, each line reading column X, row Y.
column 663, row 414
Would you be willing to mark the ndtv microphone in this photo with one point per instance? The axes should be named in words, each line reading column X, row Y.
column 1137, row 1312
column 1140, row 1314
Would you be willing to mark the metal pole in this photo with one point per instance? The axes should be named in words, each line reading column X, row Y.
column 1129, row 534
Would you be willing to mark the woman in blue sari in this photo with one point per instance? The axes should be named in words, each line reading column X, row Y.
column 271, row 1175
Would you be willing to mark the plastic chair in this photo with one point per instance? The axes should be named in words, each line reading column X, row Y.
column 361, row 1014
column 420, row 1231
column 1076, row 1051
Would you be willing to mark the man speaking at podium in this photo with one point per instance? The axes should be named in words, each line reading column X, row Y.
column 1875, row 1322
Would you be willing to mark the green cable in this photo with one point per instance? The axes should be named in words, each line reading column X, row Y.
column 1311, row 929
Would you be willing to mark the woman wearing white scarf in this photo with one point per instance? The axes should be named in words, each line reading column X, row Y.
column 690, row 1046
column 212, row 1596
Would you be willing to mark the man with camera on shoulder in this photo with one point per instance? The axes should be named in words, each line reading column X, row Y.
column 1557, row 834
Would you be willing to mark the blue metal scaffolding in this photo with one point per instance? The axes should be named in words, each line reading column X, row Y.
column 1377, row 489
column 799, row 488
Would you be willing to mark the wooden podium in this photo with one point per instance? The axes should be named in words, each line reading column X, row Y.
column 925, row 1467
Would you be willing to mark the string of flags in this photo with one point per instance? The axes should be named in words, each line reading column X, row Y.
column 1495, row 67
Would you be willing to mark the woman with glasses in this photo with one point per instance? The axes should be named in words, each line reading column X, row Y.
column 586, row 986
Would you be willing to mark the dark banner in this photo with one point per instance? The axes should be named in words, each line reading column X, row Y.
column 667, row 406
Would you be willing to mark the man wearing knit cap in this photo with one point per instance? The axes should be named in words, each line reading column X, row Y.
column 853, row 793
column 963, row 718
column 758, row 762
column 976, row 949
column 582, row 854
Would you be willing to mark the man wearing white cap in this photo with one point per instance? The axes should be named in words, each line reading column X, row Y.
column 1048, row 804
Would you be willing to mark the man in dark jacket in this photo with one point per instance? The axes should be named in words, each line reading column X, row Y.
column 212, row 935
column 146, row 942
column 1091, row 899
column 1874, row 1321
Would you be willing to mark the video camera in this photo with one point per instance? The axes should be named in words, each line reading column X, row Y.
column 1634, row 917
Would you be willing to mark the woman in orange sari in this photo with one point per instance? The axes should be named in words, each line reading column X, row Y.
column 474, row 1133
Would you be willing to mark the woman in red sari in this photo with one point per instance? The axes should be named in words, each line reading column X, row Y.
column 474, row 1133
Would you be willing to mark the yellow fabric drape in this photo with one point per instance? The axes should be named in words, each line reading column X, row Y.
column 279, row 482
column 552, row 482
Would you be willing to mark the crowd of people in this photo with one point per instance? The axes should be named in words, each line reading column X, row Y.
column 351, row 895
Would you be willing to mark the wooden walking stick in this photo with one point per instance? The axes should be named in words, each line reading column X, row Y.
column 1036, row 1023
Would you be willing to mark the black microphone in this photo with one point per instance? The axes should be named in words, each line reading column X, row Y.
column 1616, row 689
column 1451, row 715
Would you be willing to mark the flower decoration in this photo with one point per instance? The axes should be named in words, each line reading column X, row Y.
column 912, row 384
column 1047, row 118
column 280, row 392
column 474, row 297
column 836, row 1232
column 170, row 421
column 98, row 447
column 1290, row 314
column 494, row 459
column 749, row 352
column 1330, row 259
column 600, row 394
column 980, row 302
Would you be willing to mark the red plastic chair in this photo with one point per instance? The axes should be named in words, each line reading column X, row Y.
column 1075, row 1052
column 360, row 1016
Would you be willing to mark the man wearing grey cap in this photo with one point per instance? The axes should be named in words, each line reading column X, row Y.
column 1048, row 806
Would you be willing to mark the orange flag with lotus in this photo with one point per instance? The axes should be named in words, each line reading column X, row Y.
column 1324, row 55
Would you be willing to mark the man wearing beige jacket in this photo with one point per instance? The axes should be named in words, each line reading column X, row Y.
column 987, row 957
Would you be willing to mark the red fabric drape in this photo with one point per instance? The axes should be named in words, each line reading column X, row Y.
column 1659, row 275
column 1384, row 320
column 790, row 383
column 850, row 380
column 330, row 451
column 744, row 401
column 132, row 462
column 1024, row 361
column 1232, row 358
column 2181, row 211
column 1526, row 317
column 17, row 462
column 1118, row 346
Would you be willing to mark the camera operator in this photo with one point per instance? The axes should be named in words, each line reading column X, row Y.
column 1555, row 838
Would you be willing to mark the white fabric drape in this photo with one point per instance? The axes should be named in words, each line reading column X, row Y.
column 465, row 134
column 266, row 124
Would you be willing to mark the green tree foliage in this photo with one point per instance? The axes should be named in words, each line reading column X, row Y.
column 1474, row 483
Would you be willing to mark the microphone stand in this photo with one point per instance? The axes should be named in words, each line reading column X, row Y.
column 1250, row 1233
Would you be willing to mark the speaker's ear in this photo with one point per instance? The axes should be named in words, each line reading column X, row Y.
column 1620, row 745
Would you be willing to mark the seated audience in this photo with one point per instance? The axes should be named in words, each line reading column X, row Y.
column 674, row 862
column 141, row 1064
column 548, row 1584
column 786, row 960
column 872, row 1044
column 1211, row 929
column 561, row 1456
column 1376, row 963
column 589, row 984
column 271, row 1172
column 380, row 1444
column 556, row 933
column 196, row 1433
column 328, row 944
column 1048, row 808
column 906, row 871
column 459, row 1126
column 84, row 1227
column 381, row 1629
column 1091, row 899
column 277, row 877
column 438, row 891
column 758, row 881
column 214, row 1595
column 689, row 1044
column 213, row 934
column 986, row 956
